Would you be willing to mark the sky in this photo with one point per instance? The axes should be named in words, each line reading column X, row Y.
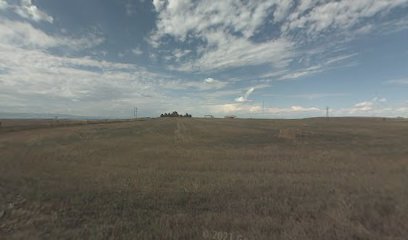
column 252, row 59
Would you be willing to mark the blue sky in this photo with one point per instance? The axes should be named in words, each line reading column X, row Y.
column 103, row 57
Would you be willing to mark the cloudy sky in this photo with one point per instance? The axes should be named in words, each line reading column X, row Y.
column 269, row 58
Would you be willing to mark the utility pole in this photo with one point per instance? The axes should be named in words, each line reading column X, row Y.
column 135, row 112
column 327, row 113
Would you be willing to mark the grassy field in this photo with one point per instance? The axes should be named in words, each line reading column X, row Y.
column 206, row 179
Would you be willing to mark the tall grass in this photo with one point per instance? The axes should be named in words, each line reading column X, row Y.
column 207, row 179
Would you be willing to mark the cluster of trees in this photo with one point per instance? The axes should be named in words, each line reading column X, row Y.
column 175, row 114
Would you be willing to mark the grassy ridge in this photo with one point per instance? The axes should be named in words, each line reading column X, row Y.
column 207, row 179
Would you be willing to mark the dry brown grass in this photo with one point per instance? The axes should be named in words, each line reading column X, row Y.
column 206, row 179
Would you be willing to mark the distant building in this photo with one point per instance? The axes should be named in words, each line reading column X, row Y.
column 230, row 116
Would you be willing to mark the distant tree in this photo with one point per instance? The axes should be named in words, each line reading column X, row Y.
column 175, row 114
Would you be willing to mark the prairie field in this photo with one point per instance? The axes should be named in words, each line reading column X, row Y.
column 223, row 179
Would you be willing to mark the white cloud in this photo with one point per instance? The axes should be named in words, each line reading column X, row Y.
column 24, row 35
column 214, row 24
column 237, row 108
column 3, row 4
column 401, row 81
column 137, row 51
column 302, row 72
column 373, row 105
column 343, row 14
column 215, row 84
column 223, row 32
column 282, row 10
column 179, row 18
column 379, row 99
column 363, row 106
column 28, row 10
column 308, row 96
column 245, row 97
column 206, row 84
column 34, row 79
column 158, row 4
column 229, row 52
column 327, row 64
column 376, row 107
column 176, row 56
column 234, row 108
column 303, row 109
column 340, row 58
column 209, row 80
